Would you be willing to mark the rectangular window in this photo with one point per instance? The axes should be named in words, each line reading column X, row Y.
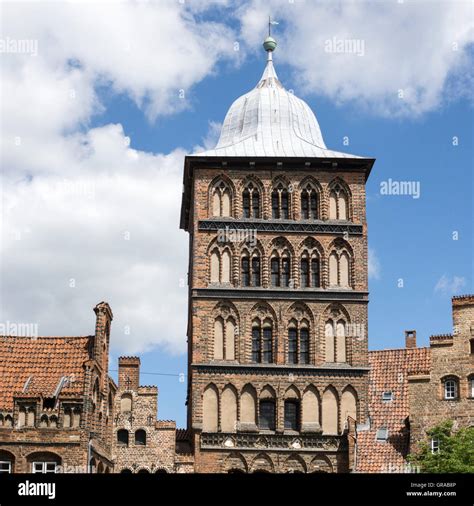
column 255, row 205
column 255, row 271
column 387, row 396
column 267, row 345
column 304, row 272
column 256, row 344
column 472, row 388
column 292, row 346
column 434, row 445
column 284, row 205
column 44, row 467
column 245, row 272
column 304, row 206
column 450, row 390
column 5, row 467
column 472, row 346
column 275, row 205
column 382, row 434
column 291, row 415
column 314, row 206
column 315, row 273
column 304, row 346
column 267, row 415
column 246, row 204
column 275, row 267
column 285, row 263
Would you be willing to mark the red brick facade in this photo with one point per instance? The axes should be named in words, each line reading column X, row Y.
column 56, row 401
column 141, row 443
column 326, row 388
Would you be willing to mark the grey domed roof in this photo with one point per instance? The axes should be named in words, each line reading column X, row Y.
column 271, row 121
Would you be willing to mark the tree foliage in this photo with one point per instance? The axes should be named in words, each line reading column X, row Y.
column 455, row 453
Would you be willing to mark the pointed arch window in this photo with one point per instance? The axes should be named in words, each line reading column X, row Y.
column 250, row 269
column 251, row 202
column 220, row 266
column 298, row 342
column 339, row 269
column 280, row 268
column 309, row 203
column 224, row 338
column 221, row 200
column 262, row 342
column 338, row 203
column 336, row 341
column 280, row 203
column 309, row 271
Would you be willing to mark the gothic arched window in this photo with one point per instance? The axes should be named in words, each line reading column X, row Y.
column 280, row 268
column 220, row 266
column 224, row 338
column 298, row 342
column 338, row 203
column 251, row 201
column 340, row 268
column 335, row 341
column 280, row 202
column 309, row 203
column 250, row 269
column 262, row 341
column 309, row 270
column 221, row 200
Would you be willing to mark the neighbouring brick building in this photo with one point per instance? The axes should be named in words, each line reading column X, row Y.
column 446, row 390
column 277, row 327
column 413, row 389
column 56, row 401
column 143, row 444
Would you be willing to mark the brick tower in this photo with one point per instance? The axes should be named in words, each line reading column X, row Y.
column 277, row 325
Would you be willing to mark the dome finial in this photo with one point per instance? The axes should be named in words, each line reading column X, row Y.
column 269, row 44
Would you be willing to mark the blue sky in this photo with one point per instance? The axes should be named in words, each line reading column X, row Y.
column 102, row 143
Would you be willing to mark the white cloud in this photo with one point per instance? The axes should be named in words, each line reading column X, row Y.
column 211, row 138
column 450, row 286
column 81, row 207
column 110, row 228
column 420, row 48
column 374, row 265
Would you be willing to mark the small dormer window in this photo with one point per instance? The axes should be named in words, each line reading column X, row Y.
column 382, row 434
column 387, row 396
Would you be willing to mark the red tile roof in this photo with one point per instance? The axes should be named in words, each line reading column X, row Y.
column 45, row 360
column 389, row 371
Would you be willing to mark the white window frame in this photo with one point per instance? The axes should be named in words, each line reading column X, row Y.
column 434, row 445
column 387, row 396
column 471, row 384
column 44, row 467
column 5, row 471
column 450, row 389
column 381, row 435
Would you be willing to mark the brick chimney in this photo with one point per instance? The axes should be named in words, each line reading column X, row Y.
column 129, row 373
column 410, row 338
